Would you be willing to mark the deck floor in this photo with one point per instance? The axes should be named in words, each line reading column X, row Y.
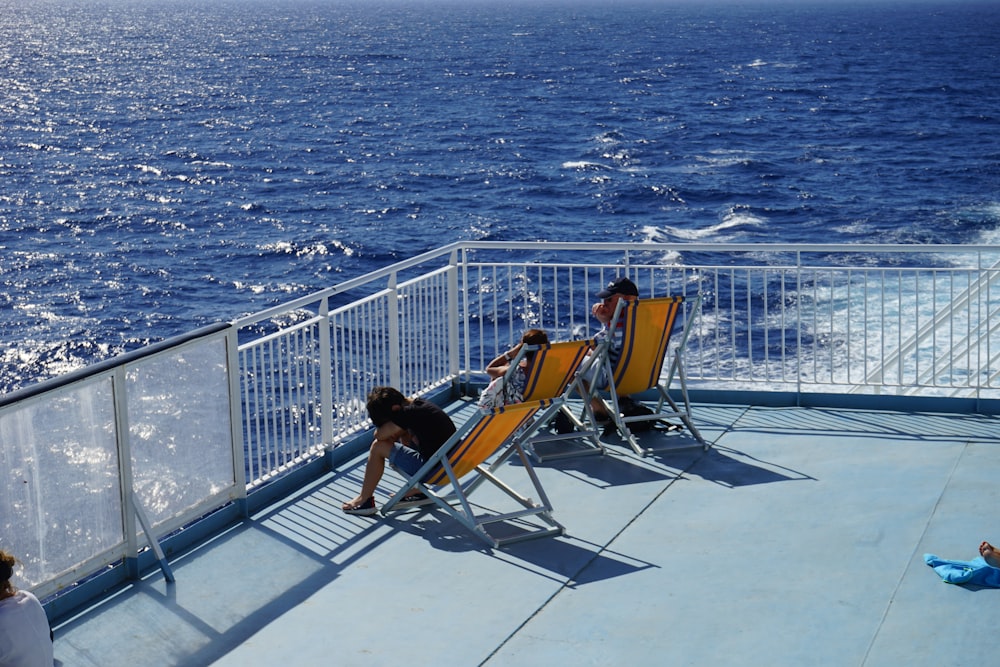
column 797, row 539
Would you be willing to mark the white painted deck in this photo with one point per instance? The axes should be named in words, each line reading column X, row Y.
column 797, row 540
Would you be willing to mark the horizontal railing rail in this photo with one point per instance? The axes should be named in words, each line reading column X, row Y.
column 189, row 425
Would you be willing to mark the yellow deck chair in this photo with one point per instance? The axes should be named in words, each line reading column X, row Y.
column 647, row 326
column 555, row 372
column 459, row 468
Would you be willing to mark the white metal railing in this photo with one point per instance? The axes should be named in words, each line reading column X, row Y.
column 182, row 428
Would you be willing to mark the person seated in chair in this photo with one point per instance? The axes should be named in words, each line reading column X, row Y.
column 507, row 385
column 407, row 433
column 618, row 289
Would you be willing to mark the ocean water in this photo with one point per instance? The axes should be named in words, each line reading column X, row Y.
column 165, row 164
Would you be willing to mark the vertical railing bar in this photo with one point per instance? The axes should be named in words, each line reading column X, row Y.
column 883, row 334
column 554, row 333
column 778, row 335
column 954, row 357
column 395, row 371
column 831, row 301
column 310, row 378
column 464, row 288
column 312, row 394
column 752, row 321
column 338, row 359
column 732, row 320
column 798, row 324
column 814, row 312
column 510, row 304
column 325, row 374
column 900, row 365
column 766, row 322
column 865, row 339
column 267, row 407
column 936, row 361
column 281, row 390
column 294, row 396
column 494, row 314
column 274, row 405
column 260, row 403
column 245, row 404
column 848, row 334
column 980, row 320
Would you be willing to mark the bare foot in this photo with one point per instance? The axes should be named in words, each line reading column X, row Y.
column 989, row 554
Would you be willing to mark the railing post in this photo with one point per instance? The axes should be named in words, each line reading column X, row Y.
column 395, row 358
column 120, row 399
column 453, row 332
column 235, row 373
column 798, row 327
column 466, row 333
column 325, row 374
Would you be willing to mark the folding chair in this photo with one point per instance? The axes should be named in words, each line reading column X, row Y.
column 555, row 373
column 464, row 456
column 647, row 326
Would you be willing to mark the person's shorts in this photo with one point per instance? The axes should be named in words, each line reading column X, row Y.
column 405, row 459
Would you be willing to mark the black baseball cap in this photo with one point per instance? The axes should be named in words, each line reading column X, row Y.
column 620, row 285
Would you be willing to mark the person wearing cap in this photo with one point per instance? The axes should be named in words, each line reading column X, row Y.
column 616, row 290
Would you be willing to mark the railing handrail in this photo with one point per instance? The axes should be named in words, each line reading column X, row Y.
column 106, row 365
column 623, row 246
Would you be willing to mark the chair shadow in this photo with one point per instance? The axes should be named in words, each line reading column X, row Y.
column 603, row 471
column 732, row 468
column 574, row 561
column 564, row 559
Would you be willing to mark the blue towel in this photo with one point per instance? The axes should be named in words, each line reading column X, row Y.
column 975, row 571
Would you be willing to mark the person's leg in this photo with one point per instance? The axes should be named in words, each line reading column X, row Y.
column 591, row 375
column 989, row 554
column 374, row 469
column 408, row 461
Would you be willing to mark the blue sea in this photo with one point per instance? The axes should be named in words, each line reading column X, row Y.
column 165, row 164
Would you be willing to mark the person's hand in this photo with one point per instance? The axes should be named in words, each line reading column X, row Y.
column 603, row 311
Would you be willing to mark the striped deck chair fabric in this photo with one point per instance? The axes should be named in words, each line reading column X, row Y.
column 647, row 326
column 555, row 373
column 459, row 468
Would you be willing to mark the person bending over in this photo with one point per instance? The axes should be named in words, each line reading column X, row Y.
column 25, row 635
column 407, row 433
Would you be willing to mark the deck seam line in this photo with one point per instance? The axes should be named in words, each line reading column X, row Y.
column 604, row 548
column 923, row 533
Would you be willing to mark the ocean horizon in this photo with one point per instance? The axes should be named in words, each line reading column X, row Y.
column 168, row 164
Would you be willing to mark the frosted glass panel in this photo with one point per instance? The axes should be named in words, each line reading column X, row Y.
column 60, row 502
column 178, row 410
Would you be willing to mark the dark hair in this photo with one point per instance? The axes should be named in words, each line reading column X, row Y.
column 534, row 337
column 381, row 401
column 7, row 562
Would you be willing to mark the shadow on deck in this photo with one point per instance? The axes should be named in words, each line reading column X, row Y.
column 797, row 539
